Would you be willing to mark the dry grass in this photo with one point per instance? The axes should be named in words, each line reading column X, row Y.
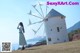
column 68, row 47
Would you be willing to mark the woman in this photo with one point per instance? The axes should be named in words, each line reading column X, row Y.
column 22, row 41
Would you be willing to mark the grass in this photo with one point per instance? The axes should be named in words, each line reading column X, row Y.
column 68, row 47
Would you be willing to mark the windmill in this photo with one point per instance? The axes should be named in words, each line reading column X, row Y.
column 54, row 22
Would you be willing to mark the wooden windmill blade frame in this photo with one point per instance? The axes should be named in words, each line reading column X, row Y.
column 42, row 16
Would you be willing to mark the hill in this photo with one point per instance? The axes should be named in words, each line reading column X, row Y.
column 67, row 47
column 74, row 27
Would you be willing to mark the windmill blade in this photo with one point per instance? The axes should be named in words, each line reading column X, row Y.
column 37, row 16
column 46, row 13
column 34, row 6
column 39, row 27
column 46, row 9
column 40, row 4
column 29, row 22
column 37, row 22
column 30, row 12
column 41, row 9
column 34, row 31
column 36, row 10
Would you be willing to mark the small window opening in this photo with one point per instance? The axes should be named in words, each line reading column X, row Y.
column 57, row 38
column 58, row 29
column 64, row 40
column 62, row 17
column 51, row 29
column 49, row 39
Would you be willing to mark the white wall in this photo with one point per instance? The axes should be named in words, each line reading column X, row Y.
column 53, row 23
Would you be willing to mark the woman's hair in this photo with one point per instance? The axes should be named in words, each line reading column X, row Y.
column 21, row 24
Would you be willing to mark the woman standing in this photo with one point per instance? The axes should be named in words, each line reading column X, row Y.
column 22, row 41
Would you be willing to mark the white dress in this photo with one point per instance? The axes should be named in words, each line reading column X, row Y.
column 22, row 40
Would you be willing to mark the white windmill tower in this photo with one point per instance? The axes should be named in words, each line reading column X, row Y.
column 55, row 26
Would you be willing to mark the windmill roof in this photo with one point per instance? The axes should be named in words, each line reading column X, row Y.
column 53, row 13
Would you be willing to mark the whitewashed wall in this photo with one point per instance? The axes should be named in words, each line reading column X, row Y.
column 51, row 30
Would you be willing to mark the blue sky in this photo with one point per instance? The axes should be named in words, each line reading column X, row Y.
column 14, row 11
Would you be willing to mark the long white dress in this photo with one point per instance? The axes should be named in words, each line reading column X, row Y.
column 22, row 40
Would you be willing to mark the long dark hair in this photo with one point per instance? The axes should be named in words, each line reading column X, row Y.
column 21, row 24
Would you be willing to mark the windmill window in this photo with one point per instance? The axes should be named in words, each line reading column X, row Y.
column 49, row 39
column 64, row 40
column 58, row 29
column 62, row 17
column 57, row 38
column 51, row 29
